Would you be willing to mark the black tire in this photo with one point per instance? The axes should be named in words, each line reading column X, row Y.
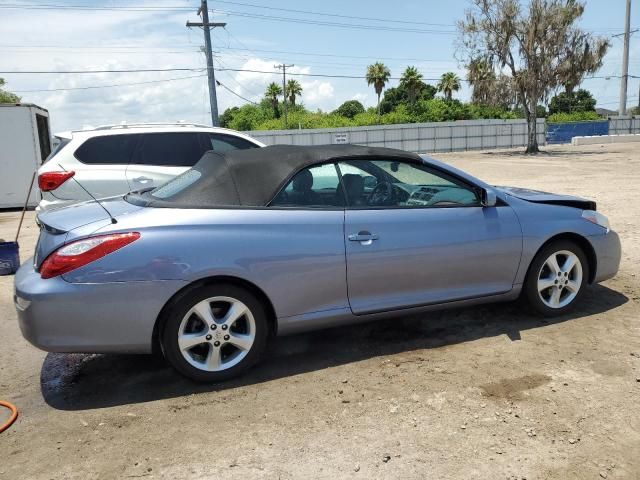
column 530, row 291
column 175, row 314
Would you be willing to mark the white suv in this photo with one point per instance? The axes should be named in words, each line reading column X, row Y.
column 114, row 160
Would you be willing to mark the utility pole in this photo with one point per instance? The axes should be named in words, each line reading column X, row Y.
column 622, row 110
column 206, row 26
column 284, row 67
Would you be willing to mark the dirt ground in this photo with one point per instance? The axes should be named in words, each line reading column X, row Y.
column 484, row 392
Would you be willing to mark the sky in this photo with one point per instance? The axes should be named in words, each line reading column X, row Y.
column 61, row 35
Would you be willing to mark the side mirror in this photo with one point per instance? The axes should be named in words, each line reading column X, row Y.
column 488, row 197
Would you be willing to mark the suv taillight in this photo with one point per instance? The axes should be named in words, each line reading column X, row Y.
column 81, row 252
column 48, row 181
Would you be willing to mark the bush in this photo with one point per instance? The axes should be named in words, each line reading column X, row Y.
column 350, row 109
column 573, row 117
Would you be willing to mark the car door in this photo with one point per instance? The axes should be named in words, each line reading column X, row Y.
column 431, row 241
column 101, row 167
column 161, row 156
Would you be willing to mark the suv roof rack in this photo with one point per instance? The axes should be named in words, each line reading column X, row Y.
column 150, row 124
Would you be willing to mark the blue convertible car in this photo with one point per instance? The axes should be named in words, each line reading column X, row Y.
column 253, row 243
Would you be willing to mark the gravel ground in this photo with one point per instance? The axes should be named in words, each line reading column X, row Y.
column 483, row 392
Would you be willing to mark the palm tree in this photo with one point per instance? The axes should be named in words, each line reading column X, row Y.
column 449, row 83
column 273, row 92
column 482, row 78
column 378, row 76
column 411, row 80
column 293, row 90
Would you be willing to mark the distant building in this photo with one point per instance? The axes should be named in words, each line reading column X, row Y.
column 605, row 112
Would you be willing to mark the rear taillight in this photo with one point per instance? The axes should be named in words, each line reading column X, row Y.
column 81, row 252
column 48, row 181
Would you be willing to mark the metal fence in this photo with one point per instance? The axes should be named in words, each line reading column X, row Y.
column 622, row 125
column 414, row 137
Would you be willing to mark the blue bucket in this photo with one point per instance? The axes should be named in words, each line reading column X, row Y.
column 9, row 258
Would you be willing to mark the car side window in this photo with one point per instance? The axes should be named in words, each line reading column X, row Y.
column 313, row 187
column 169, row 149
column 107, row 149
column 397, row 184
column 226, row 143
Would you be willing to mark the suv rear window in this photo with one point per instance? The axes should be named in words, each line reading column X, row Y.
column 226, row 143
column 108, row 149
column 170, row 149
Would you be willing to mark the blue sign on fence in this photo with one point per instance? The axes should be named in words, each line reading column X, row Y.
column 564, row 132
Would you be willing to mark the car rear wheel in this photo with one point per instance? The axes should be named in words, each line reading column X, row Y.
column 557, row 278
column 214, row 333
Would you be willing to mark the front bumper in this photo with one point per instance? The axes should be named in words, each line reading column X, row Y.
column 59, row 316
column 608, row 253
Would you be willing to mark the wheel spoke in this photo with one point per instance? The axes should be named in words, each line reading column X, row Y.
column 187, row 341
column 569, row 263
column 545, row 283
column 236, row 311
column 573, row 286
column 213, row 359
column 241, row 340
column 204, row 313
column 552, row 263
column 554, row 300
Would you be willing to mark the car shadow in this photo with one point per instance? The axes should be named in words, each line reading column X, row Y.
column 81, row 381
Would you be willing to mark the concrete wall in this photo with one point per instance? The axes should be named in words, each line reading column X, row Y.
column 414, row 137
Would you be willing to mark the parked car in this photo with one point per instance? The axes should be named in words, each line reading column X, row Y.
column 253, row 243
column 116, row 159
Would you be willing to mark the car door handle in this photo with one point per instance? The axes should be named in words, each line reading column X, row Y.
column 142, row 179
column 365, row 238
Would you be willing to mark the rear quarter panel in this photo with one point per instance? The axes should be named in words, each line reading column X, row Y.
column 296, row 257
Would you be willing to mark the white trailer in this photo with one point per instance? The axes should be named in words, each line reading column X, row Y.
column 25, row 142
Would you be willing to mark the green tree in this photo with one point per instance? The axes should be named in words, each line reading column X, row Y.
column 293, row 90
column 482, row 79
column 273, row 92
column 449, row 83
column 350, row 109
column 395, row 96
column 411, row 81
column 378, row 76
column 570, row 102
column 7, row 97
column 227, row 117
column 538, row 42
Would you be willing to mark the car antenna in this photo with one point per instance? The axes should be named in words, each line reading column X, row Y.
column 113, row 219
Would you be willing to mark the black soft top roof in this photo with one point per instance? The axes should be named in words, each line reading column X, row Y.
column 253, row 177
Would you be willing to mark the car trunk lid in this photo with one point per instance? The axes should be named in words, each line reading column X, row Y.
column 60, row 226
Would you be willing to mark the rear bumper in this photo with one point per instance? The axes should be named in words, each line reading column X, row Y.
column 58, row 316
column 608, row 253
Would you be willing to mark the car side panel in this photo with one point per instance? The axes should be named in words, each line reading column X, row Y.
column 540, row 222
column 297, row 257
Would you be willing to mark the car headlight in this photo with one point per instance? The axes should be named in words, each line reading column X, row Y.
column 597, row 218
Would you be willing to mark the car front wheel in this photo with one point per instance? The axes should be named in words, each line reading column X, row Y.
column 214, row 333
column 557, row 278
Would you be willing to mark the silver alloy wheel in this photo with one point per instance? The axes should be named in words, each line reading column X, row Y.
column 560, row 279
column 216, row 333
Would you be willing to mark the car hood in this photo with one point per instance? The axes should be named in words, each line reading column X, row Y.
column 536, row 196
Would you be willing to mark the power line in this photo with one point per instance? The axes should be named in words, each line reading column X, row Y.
column 236, row 94
column 89, row 87
column 336, row 15
column 300, row 74
column 324, row 23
